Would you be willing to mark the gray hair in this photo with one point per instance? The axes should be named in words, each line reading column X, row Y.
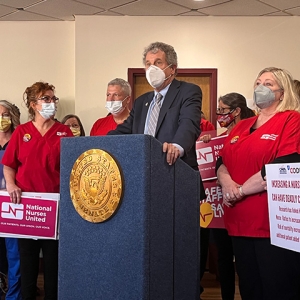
column 14, row 113
column 171, row 56
column 125, row 86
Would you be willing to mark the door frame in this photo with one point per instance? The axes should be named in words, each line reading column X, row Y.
column 211, row 73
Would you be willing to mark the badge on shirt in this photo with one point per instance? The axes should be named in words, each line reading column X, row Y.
column 61, row 133
column 26, row 137
column 234, row 139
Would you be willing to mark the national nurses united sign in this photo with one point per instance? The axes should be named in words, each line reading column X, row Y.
column 207, row 155
column 34, row 217
column 212, row 208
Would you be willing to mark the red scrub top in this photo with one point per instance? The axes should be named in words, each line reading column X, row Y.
column 103, row 126
column 36, row 158
column 244, row 155
column 206, row 125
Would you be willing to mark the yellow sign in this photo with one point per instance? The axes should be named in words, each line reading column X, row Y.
column 206, row 214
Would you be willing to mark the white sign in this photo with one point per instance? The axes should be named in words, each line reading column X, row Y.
column 283, row 181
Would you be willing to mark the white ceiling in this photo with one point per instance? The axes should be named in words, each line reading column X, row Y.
column 65, row 10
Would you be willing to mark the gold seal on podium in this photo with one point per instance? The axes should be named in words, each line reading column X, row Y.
column 96, row 185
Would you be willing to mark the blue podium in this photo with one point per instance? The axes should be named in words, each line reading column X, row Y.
column 149, row 249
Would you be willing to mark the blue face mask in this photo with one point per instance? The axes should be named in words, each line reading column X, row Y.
column 263, row 96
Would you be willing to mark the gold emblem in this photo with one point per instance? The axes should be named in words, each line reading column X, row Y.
column 95, row 185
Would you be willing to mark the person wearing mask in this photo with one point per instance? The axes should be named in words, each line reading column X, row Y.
column 265, row 271
column 118, row 97
column 9, row 120
column 172, row 112
column 232, row 108
column 32, row 164
column 74, row 123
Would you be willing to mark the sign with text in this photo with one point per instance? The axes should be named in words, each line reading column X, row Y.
column 35, row 217
column 211, row 209
column 207, row 155
column 283, row 182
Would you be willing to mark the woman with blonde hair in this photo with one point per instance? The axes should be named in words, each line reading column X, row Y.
column 273, row 136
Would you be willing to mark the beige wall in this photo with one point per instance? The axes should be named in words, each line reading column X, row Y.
column 80, row 57
column 34, row 51
column 238, row 47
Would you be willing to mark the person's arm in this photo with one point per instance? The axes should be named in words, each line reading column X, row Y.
column 126, row 126
column 188, row 121
column 189, row 118
column 252, row 186
column 230, row 189
column 13, row 190
column 206, row 138
column 291, row 158
column 255, row 183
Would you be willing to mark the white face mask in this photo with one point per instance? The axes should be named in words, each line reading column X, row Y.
column 156, row 76
column 115, row 107
column 48, row 110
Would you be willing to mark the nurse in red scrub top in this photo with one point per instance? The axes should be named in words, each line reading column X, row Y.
column 32, row 164
column 273, row 136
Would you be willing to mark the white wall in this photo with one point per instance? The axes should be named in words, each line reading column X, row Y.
column 34, row 51
column 80, row 57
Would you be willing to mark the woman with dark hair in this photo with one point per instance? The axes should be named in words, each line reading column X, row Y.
column 231, row 109
column 32, row 164
column 74, row 123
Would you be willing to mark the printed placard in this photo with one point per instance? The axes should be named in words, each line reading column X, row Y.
column 35, row 217
column 283, row 182
column 207, row 155
column 212, row 209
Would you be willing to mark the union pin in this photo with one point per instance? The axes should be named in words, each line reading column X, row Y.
column 26, row 137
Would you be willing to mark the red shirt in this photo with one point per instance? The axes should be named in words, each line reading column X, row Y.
column 103, row 126
column 36, row 158
column 206, row 125
column 244, row 155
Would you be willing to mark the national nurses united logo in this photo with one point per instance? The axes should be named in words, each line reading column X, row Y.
column 12, row 211
column 205, row 156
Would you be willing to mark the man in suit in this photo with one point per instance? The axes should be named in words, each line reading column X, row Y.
column 177, row 126
column 179, row 112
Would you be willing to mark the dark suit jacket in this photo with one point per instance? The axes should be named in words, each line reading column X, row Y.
column 178, row 121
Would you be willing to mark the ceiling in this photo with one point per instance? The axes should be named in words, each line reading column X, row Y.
column 66, row 10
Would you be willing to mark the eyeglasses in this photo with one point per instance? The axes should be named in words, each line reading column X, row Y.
column 221, row 110
column 48, row 99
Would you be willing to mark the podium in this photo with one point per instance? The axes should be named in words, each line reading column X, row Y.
column 149, row 249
